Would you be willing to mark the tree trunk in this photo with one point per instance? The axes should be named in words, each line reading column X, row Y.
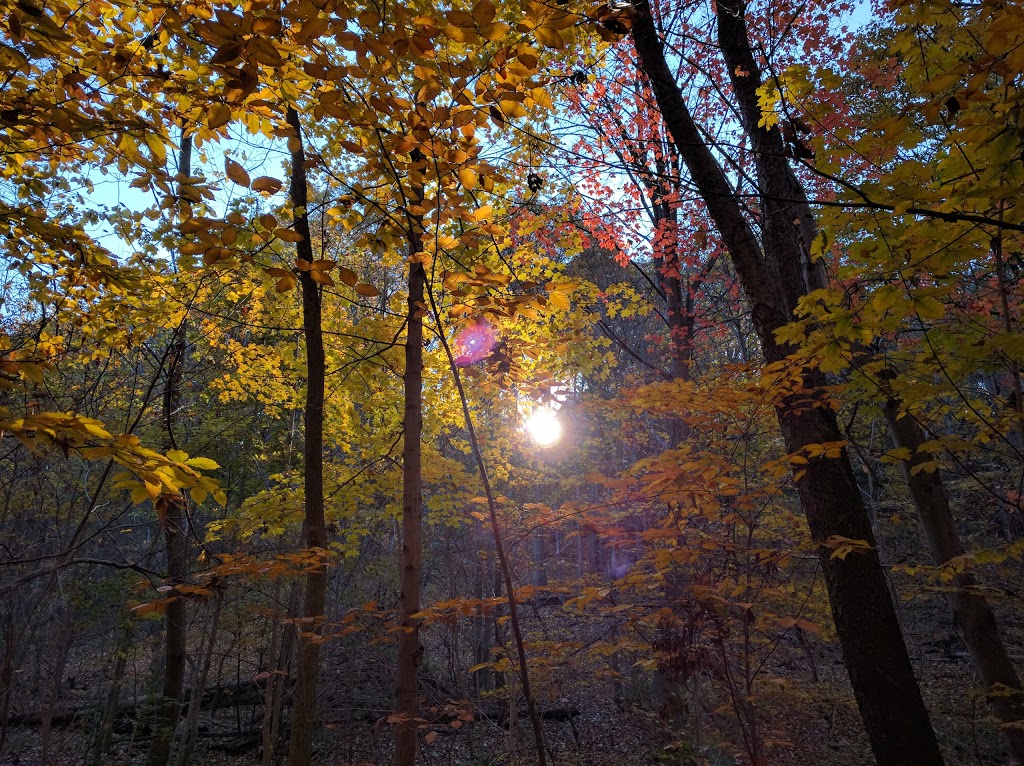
column 411, row 557
column 774, row 279
column 53, row 692
column 191, row 732
column 313, row 529
column 972, row 612
column 281, row 648
column 105, row 733
column 173, row 522
column 503, row 563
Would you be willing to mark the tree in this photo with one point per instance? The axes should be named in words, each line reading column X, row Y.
column 927, row 290
column 313, row 527
column 773, row 270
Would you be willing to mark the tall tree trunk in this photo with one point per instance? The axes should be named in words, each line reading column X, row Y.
column 972, row 612
column 172, row 513
column 411, row 557
column 313, row 529
column 774, row 279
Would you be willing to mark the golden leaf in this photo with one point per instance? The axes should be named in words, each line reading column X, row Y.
column 468, row 177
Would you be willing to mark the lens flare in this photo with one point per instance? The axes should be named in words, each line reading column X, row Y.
column 474, row 342
column 542, row 427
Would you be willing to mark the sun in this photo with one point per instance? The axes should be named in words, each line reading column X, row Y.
column 542, row 427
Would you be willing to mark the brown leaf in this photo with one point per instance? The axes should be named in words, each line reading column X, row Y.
column 321, row 278
column 236, row 172
column 220, row 115
column 287, row 235
column 267, row 184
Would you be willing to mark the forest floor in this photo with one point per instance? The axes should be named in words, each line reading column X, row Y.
column 803, row 712
column 802, row 721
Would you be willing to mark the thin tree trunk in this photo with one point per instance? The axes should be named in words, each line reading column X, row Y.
column 282, row 644
column 173, row 522
column 774, row 279
column 53, row 693
column 313, row 528
column 105, row 733
column 191, row 732
column 6, row 681
column 972, row 612
column 499, row 548
column 411, row 556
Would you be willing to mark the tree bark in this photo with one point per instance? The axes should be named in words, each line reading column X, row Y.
column 314, row 532
column 172, row 512
column 774, row 279
column 411, row 557
column 972, row 612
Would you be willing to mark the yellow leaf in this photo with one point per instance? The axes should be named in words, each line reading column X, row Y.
column 468, row 177
column 461, row 19
column 559, row 300
column 549, row 38
column 460, row 34
column 928, row 307
column 321, row 278
column 494, row 31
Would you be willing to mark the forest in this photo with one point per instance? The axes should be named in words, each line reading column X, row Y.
column 527, row 382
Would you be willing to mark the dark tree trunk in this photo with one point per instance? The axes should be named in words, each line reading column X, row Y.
column 774, row 278
column 411, row 557
column 172, row 512
column 313, row 529
column 972, row 612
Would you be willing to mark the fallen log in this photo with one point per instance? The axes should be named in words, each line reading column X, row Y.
column 226, row 696
column 500, row 716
